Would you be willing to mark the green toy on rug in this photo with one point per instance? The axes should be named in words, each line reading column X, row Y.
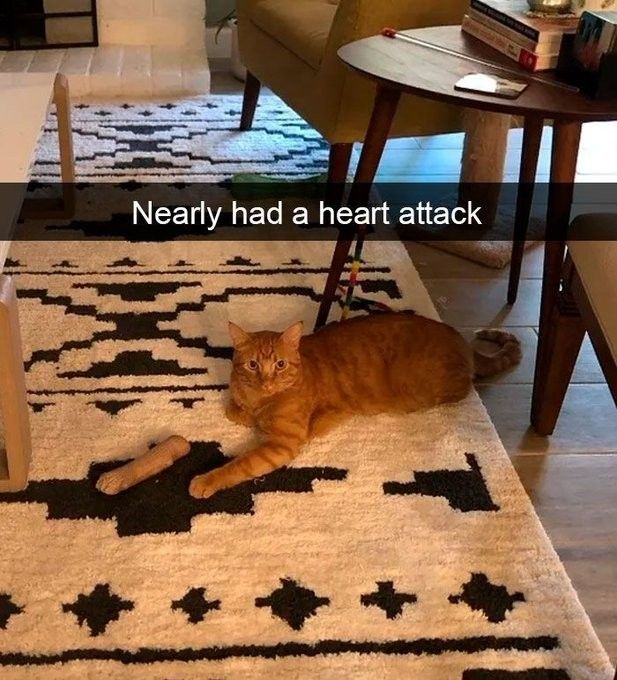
column 252, row 185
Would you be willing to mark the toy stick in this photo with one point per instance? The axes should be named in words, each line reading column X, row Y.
column 353, row 275
column 156, row 460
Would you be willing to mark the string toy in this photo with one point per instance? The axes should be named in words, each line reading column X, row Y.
column 349, row 298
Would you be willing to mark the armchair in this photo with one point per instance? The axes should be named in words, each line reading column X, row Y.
column 291, row 46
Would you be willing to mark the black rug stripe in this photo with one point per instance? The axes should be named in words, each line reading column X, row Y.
column 195, row 272
column 529, row 674
column 136, row 388
column 429, row 646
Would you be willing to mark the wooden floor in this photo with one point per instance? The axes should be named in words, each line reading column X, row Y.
column 571, row 477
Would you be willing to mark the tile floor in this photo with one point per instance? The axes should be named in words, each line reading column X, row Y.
column 119, row 70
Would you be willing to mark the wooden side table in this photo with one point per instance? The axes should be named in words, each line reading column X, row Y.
column 399, row 67
column 29, row 96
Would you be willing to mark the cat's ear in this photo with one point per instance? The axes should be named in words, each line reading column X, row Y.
column 291, row 337
column 238, row 336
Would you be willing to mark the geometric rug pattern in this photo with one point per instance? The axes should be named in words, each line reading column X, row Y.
column 195, row 140
column 400, row 545
column 198, row 140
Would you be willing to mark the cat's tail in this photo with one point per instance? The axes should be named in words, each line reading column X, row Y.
column 508, row 355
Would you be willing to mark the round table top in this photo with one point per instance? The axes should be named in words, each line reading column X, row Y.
column 422, row 71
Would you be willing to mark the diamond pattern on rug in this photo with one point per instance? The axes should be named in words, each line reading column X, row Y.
column 293, row 603
column 387, row 598
column 98, row 609
column 482, row 595
column 195, row 605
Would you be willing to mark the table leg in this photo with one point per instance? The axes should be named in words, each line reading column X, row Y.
column 532, row 137
column 339, row 257
column 43, row 208
column 62, row 101
column 564, row 154
column 384, row 109
column 13, row 400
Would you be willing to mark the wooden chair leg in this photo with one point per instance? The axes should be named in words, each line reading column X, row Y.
column 566, row 136
column 252, row 86
column 532, row 137
column 565, row 334
column 15, row 460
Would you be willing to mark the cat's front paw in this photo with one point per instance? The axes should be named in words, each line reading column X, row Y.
column 203, row 486
column 238, row 415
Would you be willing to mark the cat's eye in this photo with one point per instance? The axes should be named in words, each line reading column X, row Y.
column 252, row 365
column 281, row 364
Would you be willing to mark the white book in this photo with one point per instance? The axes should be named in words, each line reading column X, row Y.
column 526, row 58
column 550, row 46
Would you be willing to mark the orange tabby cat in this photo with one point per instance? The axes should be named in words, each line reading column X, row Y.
column 294, row 388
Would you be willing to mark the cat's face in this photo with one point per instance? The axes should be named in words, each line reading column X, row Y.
column 266, row 361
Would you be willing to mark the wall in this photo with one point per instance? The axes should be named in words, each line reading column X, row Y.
column 175, row 23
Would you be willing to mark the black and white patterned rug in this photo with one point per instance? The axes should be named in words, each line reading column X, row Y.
column 196, row 140
column 401, row 546
column 396, row 547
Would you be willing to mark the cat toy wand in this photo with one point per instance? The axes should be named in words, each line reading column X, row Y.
column 353, row 276
column 347, row 295
column 397, row 35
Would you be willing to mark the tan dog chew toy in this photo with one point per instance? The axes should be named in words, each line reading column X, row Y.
column 159, row 458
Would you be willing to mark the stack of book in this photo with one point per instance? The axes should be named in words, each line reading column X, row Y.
column 507, row 26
